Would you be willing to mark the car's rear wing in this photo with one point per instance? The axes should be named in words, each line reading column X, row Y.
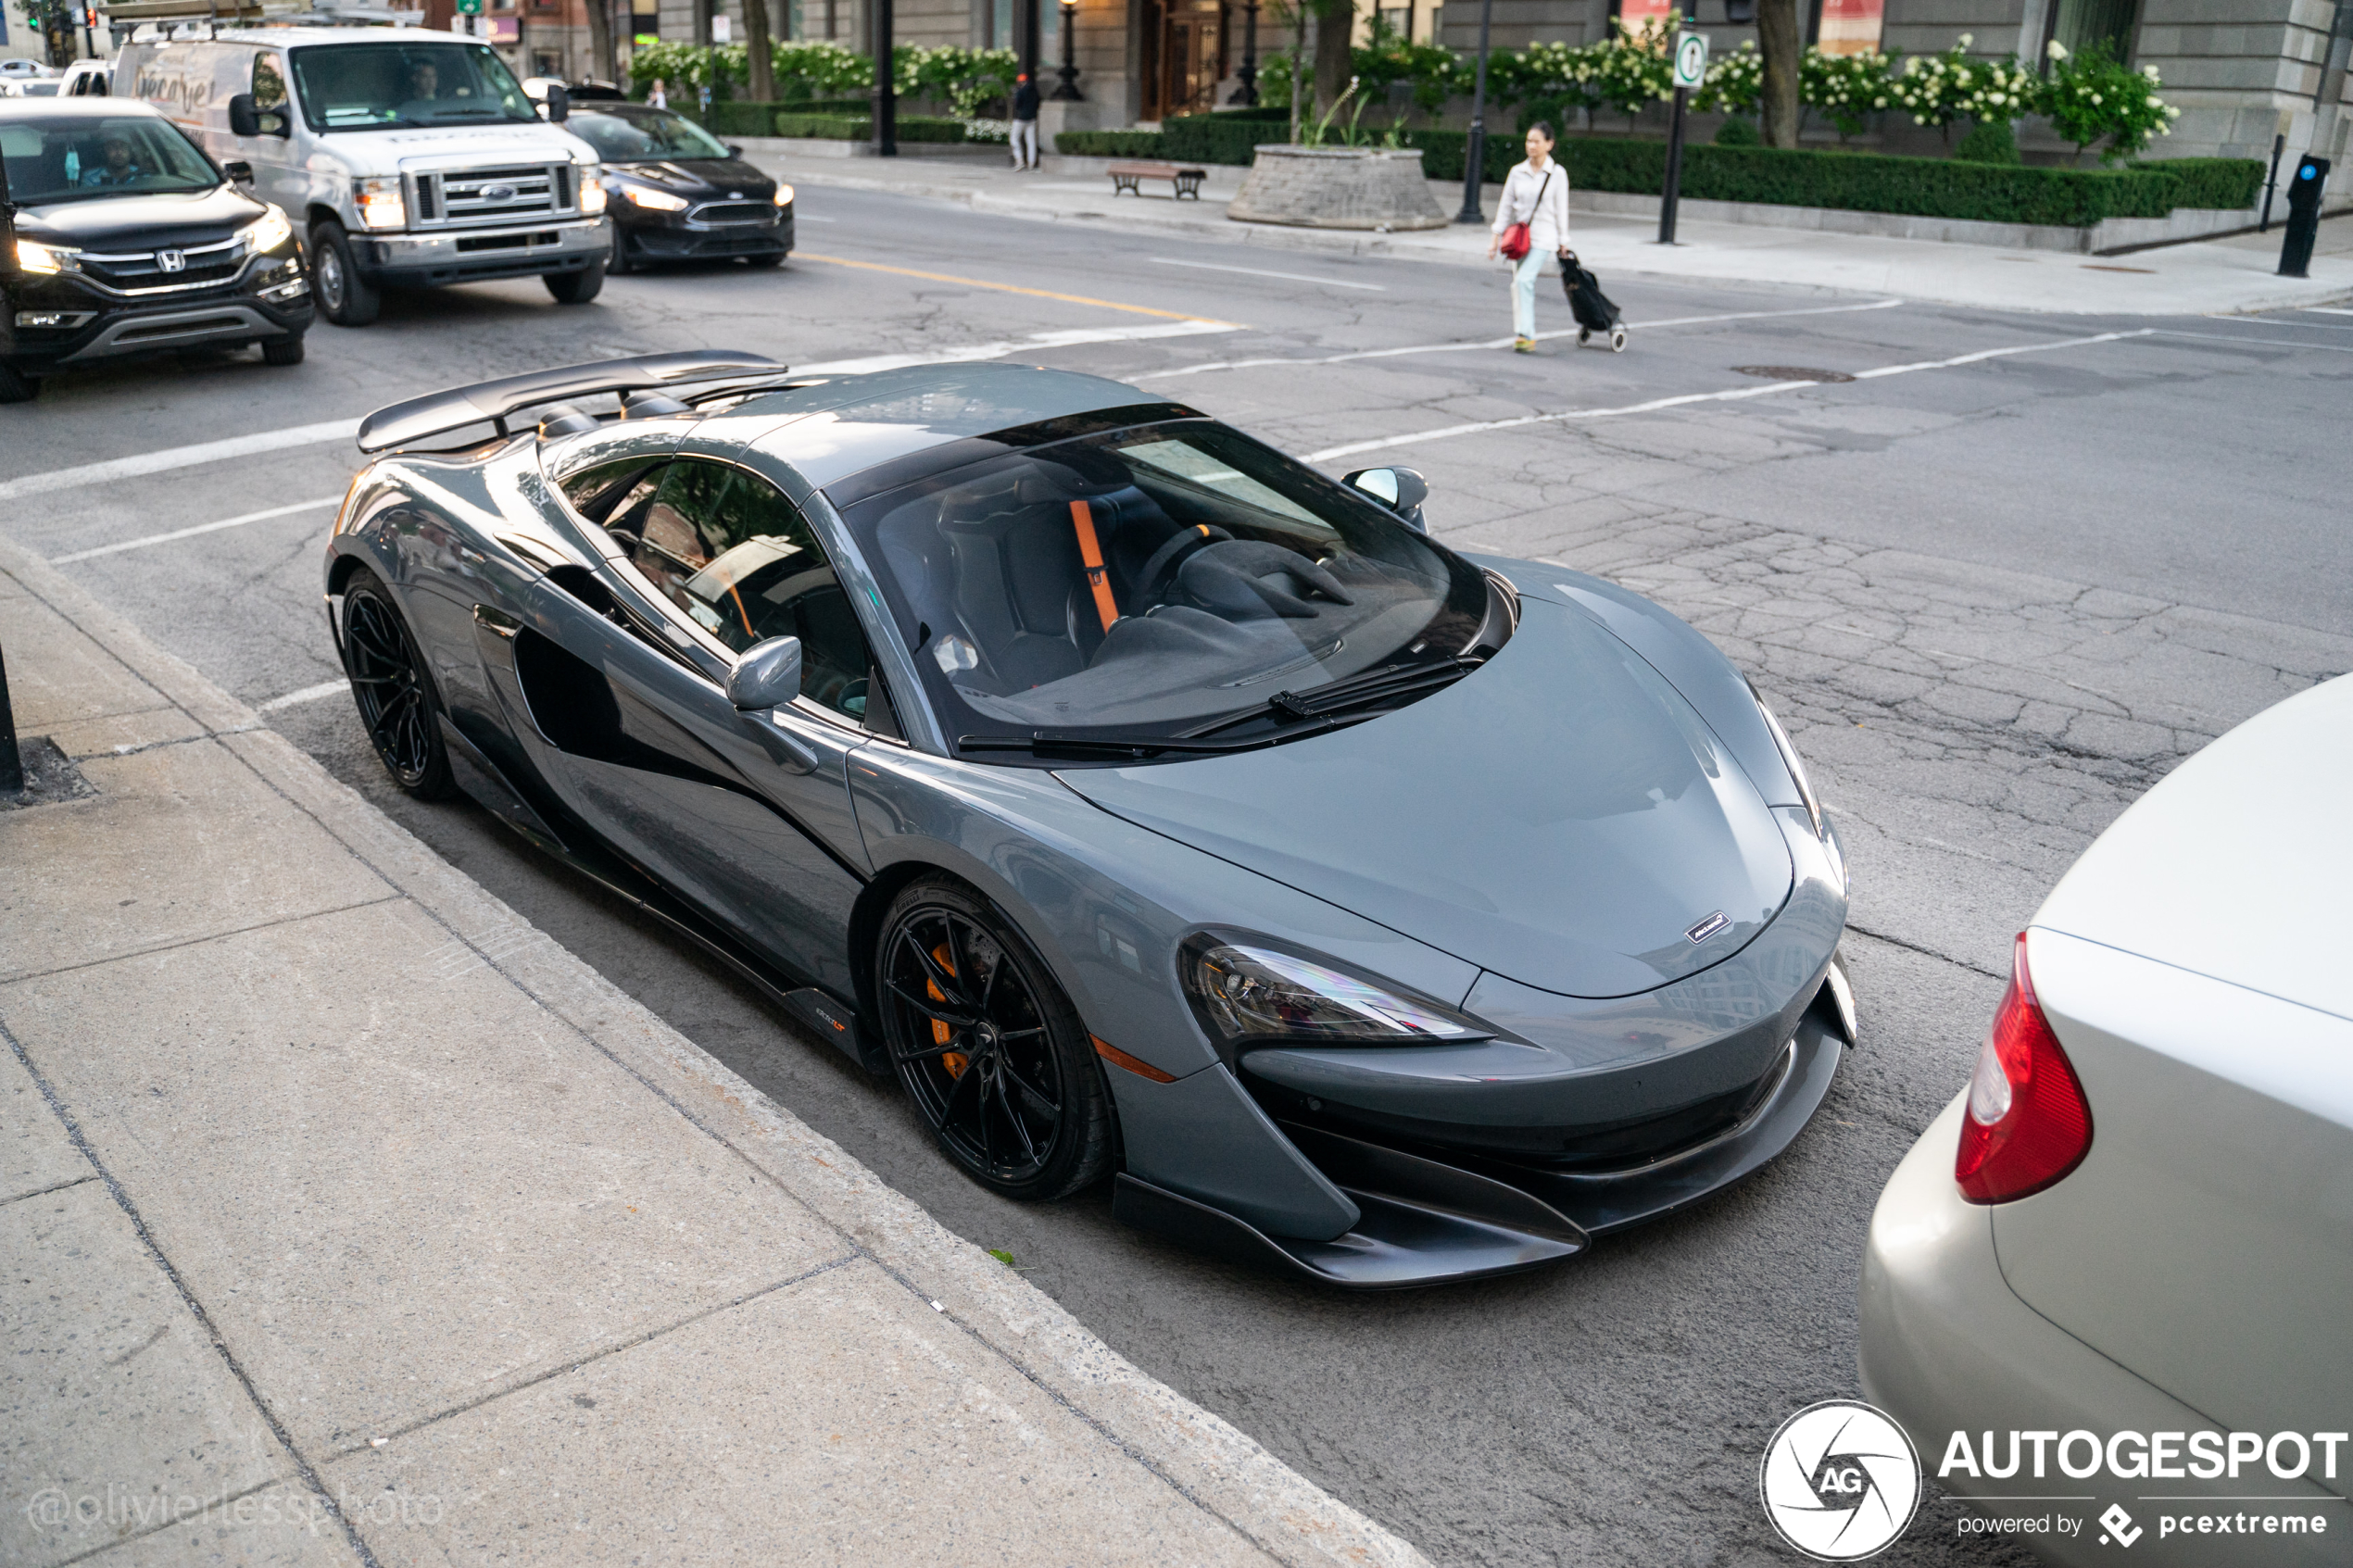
column 490, row 402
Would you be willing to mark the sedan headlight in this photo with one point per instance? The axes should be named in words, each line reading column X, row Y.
column 592, row 190
column 784, row 195
column 1789, row 758
column 35, row 257
column 660, row 201
column 381, row 204
column 267, row 233
column 1256, row 994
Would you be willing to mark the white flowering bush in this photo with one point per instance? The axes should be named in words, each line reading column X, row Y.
column 1937, row 90
column 1735, row 82
column 2093, row 96
column 1846, row 90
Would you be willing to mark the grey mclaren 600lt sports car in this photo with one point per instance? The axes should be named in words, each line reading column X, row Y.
column 1147, row 805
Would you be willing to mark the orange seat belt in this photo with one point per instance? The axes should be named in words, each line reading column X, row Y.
column 1091, row 553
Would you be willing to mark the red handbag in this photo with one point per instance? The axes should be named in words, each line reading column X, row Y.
column 1517, row 238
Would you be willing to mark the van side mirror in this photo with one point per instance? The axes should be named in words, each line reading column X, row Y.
column 559, row 105
column 244, row 118
column 768, row 675
column 1401, row 490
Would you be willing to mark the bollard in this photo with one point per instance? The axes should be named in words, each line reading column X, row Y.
column 11, row 760
column 2303, row 216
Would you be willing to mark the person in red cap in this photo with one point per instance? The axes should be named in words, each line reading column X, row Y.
column 1025, row 136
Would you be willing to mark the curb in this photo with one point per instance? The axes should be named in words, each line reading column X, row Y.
column 1213, row 1463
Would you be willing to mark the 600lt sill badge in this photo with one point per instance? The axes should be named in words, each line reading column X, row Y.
column 1709, row 926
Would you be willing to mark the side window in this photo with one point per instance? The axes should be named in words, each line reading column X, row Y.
column 268, row 83
column 596, row 493
column 730, row 550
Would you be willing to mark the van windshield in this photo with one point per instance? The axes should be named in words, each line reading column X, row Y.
column 368, row 86
column 80, row 158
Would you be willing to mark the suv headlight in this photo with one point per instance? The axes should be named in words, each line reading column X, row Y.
column 784, row 195
column 592, row 189
column 660, row 201
column 381, row 204
column 1242, row 993
column 35, row 257
column 1789, row 758
column 267, row 233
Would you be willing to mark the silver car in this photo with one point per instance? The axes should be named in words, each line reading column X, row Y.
column 2107, row 1293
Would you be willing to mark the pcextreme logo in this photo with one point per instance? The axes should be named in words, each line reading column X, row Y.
column 1839, row 1481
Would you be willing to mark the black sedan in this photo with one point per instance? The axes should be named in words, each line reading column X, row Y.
column 120, row 237
column 677, row 194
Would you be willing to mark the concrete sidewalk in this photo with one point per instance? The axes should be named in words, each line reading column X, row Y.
column 2206, row 277
column 346, row 1218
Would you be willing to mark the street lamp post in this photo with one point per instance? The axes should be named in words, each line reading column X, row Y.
column 885, row 127
column 1474, row 147
column 1248, row 92
column 1068, row 91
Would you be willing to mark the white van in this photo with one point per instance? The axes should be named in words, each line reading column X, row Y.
column 408, row 157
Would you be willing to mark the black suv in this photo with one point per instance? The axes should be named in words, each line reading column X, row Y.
column 118, row 236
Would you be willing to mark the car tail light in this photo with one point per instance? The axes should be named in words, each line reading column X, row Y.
column 2026, row 1124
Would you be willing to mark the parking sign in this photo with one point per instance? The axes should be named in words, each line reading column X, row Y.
column 1691, row 60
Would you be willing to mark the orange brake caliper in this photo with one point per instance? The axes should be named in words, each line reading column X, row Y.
column 940, row 1034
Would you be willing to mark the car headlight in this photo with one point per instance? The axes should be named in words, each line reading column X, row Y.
column 660, row 201
column 784, row 195
column 1256, row 994
column 267, row 233
column 35, row 257
column 592, row 189
column 1789, row 758
column 381, row 204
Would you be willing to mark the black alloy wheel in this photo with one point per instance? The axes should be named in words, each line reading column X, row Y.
column 988, row 1047
column 395, row 699
column 621, row 264
column 16, row 386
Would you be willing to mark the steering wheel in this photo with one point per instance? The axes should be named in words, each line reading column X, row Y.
column 1235, row 578
column 1160, row 570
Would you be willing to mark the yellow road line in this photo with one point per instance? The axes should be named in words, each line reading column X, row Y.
column 1005, row 288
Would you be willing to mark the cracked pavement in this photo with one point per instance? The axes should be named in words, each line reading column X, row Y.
column 1993, row 604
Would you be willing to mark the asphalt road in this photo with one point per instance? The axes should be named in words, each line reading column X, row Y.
column 1995, row 600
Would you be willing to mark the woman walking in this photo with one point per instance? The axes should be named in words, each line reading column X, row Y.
column 1530, row 226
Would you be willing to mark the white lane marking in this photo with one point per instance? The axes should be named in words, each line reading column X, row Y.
column 147, row 539
column 1504, row 342
column 171, row 458
column 2275, row 321
column 1261, row 273
column 307, row 694
column 344, row 430
column 1733, row 395
column 2268, row 342
column 998, row 350
column 2325, row 310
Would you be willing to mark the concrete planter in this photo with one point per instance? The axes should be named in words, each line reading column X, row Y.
column 1377, row 188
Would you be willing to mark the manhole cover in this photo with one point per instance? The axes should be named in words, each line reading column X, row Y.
column 1790, row 373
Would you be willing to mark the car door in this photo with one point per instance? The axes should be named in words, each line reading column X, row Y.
column 274, row 182
column 748, row 816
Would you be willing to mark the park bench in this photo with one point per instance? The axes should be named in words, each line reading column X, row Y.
column 1186, row 180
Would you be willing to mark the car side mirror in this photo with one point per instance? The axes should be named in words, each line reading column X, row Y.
column 768, row 675
column 559, row 105
column 735, row 149
column 1401, row 490
column 239, row 172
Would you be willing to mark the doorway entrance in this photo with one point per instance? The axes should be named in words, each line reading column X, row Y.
column 1184, row 57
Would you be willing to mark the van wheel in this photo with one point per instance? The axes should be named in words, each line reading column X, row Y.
column 285, row 351
column 16, row 386
column 576, row 288
column 344, row 297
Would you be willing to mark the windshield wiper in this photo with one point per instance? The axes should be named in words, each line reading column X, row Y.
column 1060, row 743
column 1382, row 688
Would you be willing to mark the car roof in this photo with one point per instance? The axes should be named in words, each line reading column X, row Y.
column 831, row 429
column 70, row 108
column 293, row 37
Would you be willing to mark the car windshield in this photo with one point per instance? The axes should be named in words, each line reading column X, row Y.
column 79, row 159
column 1160, row 580
column 626, row 134
column 363, row 86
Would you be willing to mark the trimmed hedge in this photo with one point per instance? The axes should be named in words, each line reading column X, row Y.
column 861, row 128
column 2229, row 182
column 1109, row 144
column 729, row 118
column 1220, row 138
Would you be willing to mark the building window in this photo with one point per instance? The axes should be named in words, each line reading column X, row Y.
column 2078, row 25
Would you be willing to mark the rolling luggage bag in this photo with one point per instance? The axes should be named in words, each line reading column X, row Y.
column 1592, row 307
